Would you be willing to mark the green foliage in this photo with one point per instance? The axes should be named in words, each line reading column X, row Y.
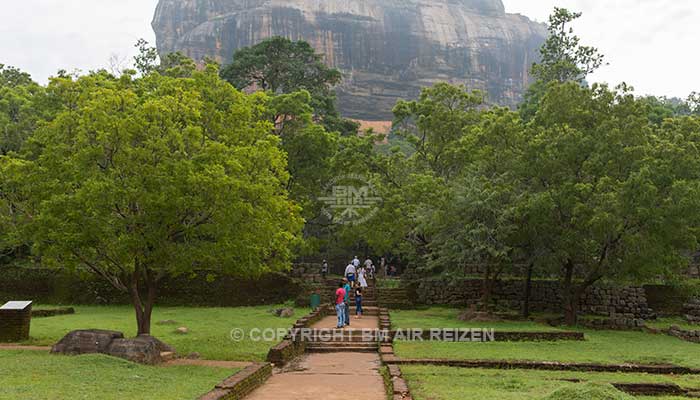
column 280, row 66
column 589, row 189
column 137, row 179
column 563, row 58
column 20, row 110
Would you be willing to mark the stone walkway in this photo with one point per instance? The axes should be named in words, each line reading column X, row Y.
column 330, row 376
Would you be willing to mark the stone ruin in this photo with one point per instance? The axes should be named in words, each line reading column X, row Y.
column 142, row 349
column 691, row 311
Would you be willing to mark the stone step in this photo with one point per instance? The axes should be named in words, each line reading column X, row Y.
column 374, row 345
column 366, row 303
column 332, row 349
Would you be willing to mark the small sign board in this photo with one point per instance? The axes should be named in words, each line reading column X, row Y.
column 16, row 305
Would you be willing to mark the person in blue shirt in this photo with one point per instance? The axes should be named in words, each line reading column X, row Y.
column 347, row 301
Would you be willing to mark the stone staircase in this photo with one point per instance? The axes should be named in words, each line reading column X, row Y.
column 348, row 339
column 340, row 340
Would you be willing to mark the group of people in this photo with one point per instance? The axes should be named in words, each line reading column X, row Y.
column 342, row 302
column 357, row 274
column 355, row 278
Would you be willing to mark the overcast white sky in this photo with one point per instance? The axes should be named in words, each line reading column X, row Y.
column 651, row 44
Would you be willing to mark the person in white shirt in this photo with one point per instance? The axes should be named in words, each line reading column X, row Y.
column 361, row 280
column 356, row 262
column 350, row 272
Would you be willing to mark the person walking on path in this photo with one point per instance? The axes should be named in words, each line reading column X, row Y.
column 358, row 303
column 350, row 272
column 340, row 307
column 356, row 262
column 324, row 269
column 346, row 300
column 361, row 278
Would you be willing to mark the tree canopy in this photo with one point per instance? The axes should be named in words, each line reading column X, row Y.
column 136, row 179
column 282, row 66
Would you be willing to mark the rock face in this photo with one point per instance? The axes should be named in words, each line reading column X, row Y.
column 386, row 49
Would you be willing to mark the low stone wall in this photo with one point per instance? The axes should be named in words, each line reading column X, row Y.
column 241, row 384
column 551, row 366
column 483, row 335
column 202, row 288
column 289, row 349
column 684, row 334
column 613, row 323
column 691, row 311
column 15, row 324
column 627, row 302
column 286, row 351
column 394, row 298
column 397, row 384
column 53, row 312
column 666, row 300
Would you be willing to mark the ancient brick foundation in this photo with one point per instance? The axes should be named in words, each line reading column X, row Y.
column 546, row 296
column 691, row 311
column 241, row 384
column 684, row 334
column 289, row 349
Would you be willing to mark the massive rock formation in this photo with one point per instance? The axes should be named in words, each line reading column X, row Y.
column 386, row 49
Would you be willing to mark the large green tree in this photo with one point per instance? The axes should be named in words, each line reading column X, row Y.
column 604, row 191
column 282, row 66
column 562, row 59
column 139, row 179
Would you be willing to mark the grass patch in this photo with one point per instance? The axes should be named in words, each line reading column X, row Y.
column 444, row 317
column 209, row 328
column 447, row 383
column 606, row 347
column 38, row 376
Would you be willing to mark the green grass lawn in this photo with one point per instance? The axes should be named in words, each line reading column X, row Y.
column 446, row 383
column 610, row 347
column 444, row 317
column 209, row 328
column 42, row 376
column 607, row 347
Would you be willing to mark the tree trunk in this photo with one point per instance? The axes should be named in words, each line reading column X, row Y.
column 487, row 287
column 569, row 295
column 528, row 290
column 143, row 309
